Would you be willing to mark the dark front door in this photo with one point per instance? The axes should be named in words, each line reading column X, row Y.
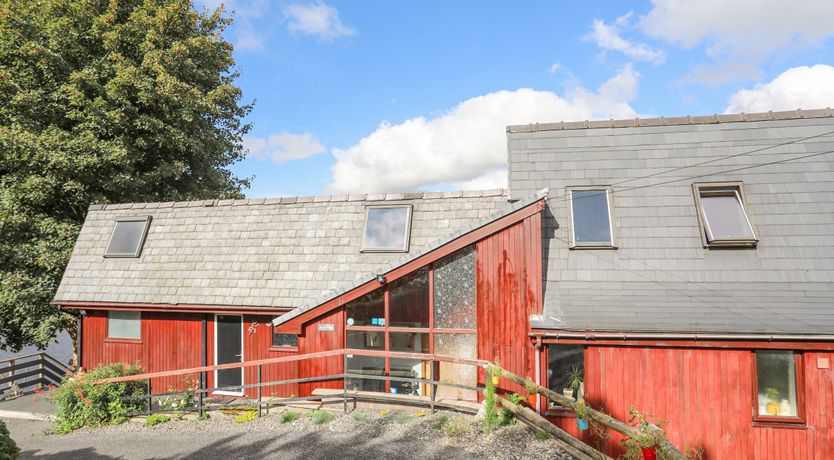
column 229, row 350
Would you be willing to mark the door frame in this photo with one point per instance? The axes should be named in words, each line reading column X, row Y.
column 216, row 355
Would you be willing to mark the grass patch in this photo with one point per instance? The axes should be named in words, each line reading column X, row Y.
column 456, row 427
column 321, row 416
column 542, row 435
column 359, row 416
column 439, row 422
column 246, row 417
column 205, row 416
column 402, row 417
column 289, row 416
column 156, row 419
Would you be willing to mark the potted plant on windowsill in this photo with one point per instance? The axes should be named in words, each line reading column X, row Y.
column 772, row 395
column 575, row 380
column 649, row 436
column 583, row 411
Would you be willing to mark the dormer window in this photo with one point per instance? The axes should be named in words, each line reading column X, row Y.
column 387, row 228
column 128, row 237
column 723, row 216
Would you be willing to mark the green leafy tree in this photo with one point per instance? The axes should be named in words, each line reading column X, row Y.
column 103, row 101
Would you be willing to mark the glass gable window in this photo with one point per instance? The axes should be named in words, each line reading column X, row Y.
column 591, row 218
column 454, row 291
column 722, row 215
column 127, row 237
column 408, row 300
column 368, row 310
column 776, row 383
column 124, row 324
column 566, row 369
column 387, row 229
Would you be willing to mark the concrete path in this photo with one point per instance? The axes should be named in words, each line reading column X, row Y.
column 29, row 407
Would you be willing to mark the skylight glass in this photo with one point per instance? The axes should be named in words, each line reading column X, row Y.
column 127, row 237
column 591, row 218
column 723, row 215
column 387, row 228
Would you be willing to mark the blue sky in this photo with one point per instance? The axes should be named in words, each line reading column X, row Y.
column 376, row 96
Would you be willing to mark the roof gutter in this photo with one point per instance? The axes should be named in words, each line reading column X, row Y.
column 625, row 336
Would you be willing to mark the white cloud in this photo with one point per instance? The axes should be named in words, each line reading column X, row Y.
column 467, row 146
column 317, row 20
column 740, row 30
column 281, row 147
column 608, row 37
column 796, row 88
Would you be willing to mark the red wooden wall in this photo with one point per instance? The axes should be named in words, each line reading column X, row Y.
column 706, row 395
column 313, row 340
column 508, row 275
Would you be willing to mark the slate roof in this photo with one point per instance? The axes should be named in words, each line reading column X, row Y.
column 279, row 252
column 370, row 275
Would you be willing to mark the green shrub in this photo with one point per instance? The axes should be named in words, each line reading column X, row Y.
column 247, row 416
column 8, row 448
column 360, row 416
column 289, row 416
column 542, row 435
column 80, row 403
column 439, row 422
column 156, row 419
column 321, row 416
column 456, row 426
column 491, row 418
column 187, row 399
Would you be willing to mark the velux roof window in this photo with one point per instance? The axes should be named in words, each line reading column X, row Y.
column 128, row 237
column 722, row 215
column 387, row 228
column 590, row 217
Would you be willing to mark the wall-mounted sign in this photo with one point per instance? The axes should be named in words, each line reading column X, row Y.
column 327, row 327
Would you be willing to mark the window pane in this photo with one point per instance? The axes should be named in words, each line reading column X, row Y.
column 776, row 381
column 366, row 365
column 566, row 368
column 126, row 237
column 284, row 340
column 725, row 216
column 368, row 310
column 408, row 300
column 366, row 340
column 409, row 342
column 454, row 291
column 409, row 369
column 591, row 220
column 386, row 228
column 460, row 346
column 124, row 324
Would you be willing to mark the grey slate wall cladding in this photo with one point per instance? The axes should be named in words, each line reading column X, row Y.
column 276, row 253
column 661, row 278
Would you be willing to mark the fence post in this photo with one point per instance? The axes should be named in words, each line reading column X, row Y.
column 149, row 396
column 433, row 387
column 259, row 390
column 345, row 382
column 201, row 396
column 41, row 359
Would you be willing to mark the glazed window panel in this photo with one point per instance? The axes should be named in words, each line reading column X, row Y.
column 408, row 300
column 284, row 340
column 591, row 218
column 566, row 369
column 366, row 365
column 409, row 369
column 461, row 346
column 368, row 310
column 124, row 324
column 454, row 291
column 409, row 342
column 776, row 383
column 387, row 228
column 127, row 237
column 723, row 215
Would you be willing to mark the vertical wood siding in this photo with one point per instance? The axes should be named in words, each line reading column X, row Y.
column 313, row 340
column 508, row 275
column 706, row 395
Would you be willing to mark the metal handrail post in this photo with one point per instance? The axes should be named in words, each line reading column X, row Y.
column 149, row 400
column 345, row 382
column 259, row 390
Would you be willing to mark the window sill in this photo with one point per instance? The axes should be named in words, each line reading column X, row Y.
column 560, row 412
column 122, row 340
column 583, row 248
column 795, row 424
column 283, row 349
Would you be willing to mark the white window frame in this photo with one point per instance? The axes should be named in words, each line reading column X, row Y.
column 242, row 360
column 609, row 198
column 139, row 319
column 138, row 252
column 722, row 189
column 407, row 238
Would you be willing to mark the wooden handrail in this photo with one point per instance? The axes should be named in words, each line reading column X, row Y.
column 287, row 359
column 621, row 427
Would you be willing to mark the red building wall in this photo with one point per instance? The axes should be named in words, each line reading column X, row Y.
column 508, row 275
column 313, row 340
column 706, row 395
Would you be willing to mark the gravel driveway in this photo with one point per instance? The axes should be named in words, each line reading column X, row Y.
column 343, row 438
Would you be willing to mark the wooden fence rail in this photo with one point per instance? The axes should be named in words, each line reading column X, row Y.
column 26, row 373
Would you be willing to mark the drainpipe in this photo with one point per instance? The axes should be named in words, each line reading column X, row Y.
column 538, row 346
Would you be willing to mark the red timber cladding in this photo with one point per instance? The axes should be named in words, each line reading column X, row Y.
column 315, row 339
column 508, row 275
column 706, row 396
